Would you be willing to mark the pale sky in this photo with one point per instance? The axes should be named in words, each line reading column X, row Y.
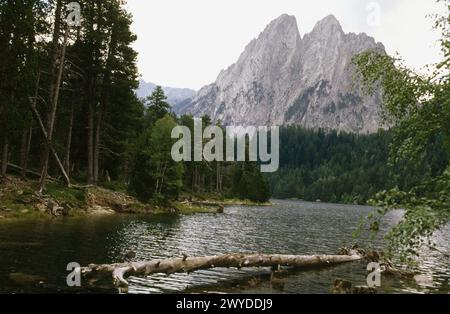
column 186, row 43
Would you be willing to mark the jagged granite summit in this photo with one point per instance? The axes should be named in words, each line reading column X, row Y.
column 282, row 78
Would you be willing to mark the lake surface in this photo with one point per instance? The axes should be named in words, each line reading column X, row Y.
column 39, row 251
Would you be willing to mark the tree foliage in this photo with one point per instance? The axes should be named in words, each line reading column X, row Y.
column 418, row 106
column 155, row 175
column 95, row 117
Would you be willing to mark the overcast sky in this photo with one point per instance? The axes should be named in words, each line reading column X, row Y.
column 185, row 43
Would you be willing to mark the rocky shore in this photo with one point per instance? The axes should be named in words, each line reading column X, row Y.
column 20, row 199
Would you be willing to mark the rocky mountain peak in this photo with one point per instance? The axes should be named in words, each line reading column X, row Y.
column 284, row 22
column 280, row 33
column 281, row 38
column 281, row 78
column 328, row 24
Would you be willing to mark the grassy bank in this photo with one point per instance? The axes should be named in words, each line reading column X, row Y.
column 19, row 199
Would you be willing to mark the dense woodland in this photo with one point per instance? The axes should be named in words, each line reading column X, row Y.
column 68, row 109
column 346, row 168
column 67, row 101
column 156, row 176
column 332, row 167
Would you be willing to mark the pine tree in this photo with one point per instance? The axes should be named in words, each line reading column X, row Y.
column 155, row 174
column 157, row 105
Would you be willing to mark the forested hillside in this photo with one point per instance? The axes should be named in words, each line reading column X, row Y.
column 347, row 168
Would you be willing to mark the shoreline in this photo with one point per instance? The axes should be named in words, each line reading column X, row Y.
column 20, row 201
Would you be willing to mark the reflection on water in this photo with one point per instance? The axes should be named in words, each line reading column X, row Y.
column 43, row 249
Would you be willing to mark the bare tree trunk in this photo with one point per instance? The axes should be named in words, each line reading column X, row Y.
column 157, row 180
column 6, row 148
column 193, row 179
column 107, row 176
column 23, row 152
column 90, row 148
column 157, row 186
column 90, row 127
column 163, row 173
column 195, row 185
column 54, row 47
column 27, row 154
column 52, row 150
column 97, row 146
column 54, row 61
column 69, row 141
column 197, row 180
column 126, row 167
column 52, row 117
column 34, row 173
column 218, row 177
column 104, row 99
column 119, row 272
column 92, row 162
column 5, row 155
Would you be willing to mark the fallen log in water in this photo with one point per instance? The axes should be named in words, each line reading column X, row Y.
column 120, row 271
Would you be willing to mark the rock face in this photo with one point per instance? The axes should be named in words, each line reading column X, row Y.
column 282, row 78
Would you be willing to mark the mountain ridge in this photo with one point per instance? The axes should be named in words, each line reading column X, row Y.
column 282, row 78
column 175, row 96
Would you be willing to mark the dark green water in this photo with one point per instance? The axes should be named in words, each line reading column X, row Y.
column 35, row 251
